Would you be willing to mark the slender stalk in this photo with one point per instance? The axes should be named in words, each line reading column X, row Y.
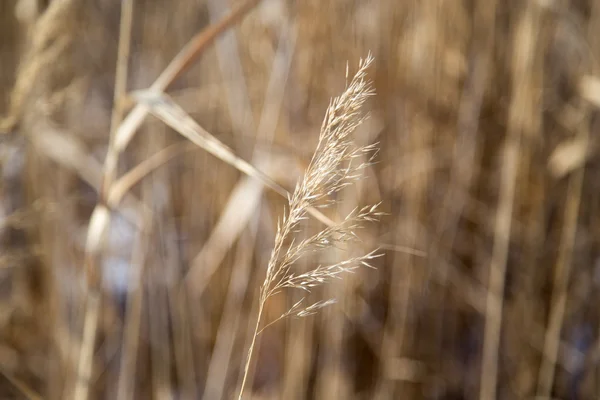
column 251, row 349
column 92, row 310
column 332, row 168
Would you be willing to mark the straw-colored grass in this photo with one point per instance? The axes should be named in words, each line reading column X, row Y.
column 148, row 149
column 335, row 165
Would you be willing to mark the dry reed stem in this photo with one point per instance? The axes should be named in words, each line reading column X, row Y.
column 92, row 310
column 330, row 170
column 523, row 69
column 86, row 352
column 561, row 282
column 562, row 270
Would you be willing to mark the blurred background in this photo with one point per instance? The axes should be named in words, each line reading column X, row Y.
column 485, row 113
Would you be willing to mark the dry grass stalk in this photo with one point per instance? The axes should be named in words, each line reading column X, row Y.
column 330, row 170
column 566, row 253
column 84, row 368
column 520, row 122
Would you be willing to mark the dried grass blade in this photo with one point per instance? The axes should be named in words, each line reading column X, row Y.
column 165, row 109
column 178, row 65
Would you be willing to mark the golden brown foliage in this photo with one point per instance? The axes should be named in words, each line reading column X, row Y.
column 485, row 114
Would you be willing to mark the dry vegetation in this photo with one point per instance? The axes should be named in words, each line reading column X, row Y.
column 149, row 148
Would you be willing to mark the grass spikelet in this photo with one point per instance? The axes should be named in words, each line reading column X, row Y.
column 332, row 167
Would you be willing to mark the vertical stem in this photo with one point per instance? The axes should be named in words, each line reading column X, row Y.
column 100, row 219
column 86, row 357
column 251, row 349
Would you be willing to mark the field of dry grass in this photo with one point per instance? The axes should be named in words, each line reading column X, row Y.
column 176, row 176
